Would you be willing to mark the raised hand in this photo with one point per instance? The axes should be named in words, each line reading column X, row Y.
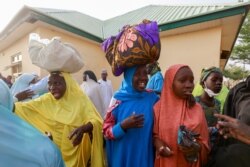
column 133, row 121
column 231, row 127
column 77, row 134
column 24, row 95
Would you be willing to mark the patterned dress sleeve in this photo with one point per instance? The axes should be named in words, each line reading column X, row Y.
column 111, row 129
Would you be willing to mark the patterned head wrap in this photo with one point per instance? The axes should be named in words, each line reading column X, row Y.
column 207, row 71
column 134, row 45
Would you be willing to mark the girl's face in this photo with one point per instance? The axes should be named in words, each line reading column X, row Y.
column 140, row 78
column 214, row 82
column 56, row 85
column 183, row 83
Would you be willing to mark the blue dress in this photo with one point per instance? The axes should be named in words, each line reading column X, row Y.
column 133, row 148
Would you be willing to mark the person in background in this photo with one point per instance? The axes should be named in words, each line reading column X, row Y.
column 235, row 151
column 21, row 144
column 211, row 81
column 92, row 89
column 198, row 90
column 40, row 87
column 20, row 90
column 106, row 88
column 177, row 107
column 128, row 124
column 34, row 90
column 71, row 118
column 9, row 81
column 155, row 81
column 238, row 152
column 231, row 127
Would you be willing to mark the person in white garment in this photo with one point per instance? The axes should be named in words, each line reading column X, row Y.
column 92, row 89
column 106, row 88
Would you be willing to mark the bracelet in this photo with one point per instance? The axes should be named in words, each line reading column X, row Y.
column 164, row 147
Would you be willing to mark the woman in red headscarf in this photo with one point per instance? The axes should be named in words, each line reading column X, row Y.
column 177, row 107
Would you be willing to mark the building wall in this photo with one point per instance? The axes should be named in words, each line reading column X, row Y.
column 197, row 49
column 19, row 46
column 93, row 57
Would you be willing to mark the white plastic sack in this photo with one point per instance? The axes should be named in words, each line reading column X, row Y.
column 54, row 55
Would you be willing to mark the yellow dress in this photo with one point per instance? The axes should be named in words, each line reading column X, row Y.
column 60, row 117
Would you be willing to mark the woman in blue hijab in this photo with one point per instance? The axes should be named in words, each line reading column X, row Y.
column 129, row 122
column 21, row 144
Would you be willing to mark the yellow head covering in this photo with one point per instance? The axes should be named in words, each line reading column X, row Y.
column 60, row 117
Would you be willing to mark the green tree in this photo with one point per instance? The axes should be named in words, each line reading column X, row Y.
column 235, row 72
column 241, row 51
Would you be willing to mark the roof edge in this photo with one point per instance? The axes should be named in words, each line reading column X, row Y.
column 52, row 21
column 243, row 9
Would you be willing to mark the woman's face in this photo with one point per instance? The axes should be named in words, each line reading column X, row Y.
column 214, row 82
column 183, row 84
column 140, row 78
column 56, row 85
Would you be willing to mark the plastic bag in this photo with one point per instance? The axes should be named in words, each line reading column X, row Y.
column 53, row 55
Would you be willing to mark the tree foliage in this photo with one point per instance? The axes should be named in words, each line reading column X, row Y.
column 235, row 72
column 240, row 53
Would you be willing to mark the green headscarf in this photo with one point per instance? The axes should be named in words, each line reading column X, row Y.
column 207, row 71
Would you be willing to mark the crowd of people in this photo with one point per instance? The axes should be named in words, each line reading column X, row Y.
column 150, row 121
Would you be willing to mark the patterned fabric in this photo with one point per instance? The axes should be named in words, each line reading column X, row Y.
column 198, row 90
column 211, row 121
column 134, row 45
column 209, row 111
column 206, row 72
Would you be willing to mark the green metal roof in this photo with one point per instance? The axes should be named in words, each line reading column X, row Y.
column 77, row 22
column 161, row 14
column 168, row 17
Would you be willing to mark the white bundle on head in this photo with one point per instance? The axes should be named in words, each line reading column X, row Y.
column 53, row 55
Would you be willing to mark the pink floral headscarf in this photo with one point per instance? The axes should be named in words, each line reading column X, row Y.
column 134, row 45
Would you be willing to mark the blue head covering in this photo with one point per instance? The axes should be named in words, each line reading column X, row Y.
column 6, row 99
column 127, row 91
column 21, row 144
column 22, row 83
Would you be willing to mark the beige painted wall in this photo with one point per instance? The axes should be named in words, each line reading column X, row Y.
column 93, row 57
column 197, row 49
column 19, row 46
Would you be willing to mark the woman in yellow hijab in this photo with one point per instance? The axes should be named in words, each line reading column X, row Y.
column 67, row 113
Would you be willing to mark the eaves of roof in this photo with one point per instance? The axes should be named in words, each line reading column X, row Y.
column 98, row 30
column 222, row 13
column 60, row 23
